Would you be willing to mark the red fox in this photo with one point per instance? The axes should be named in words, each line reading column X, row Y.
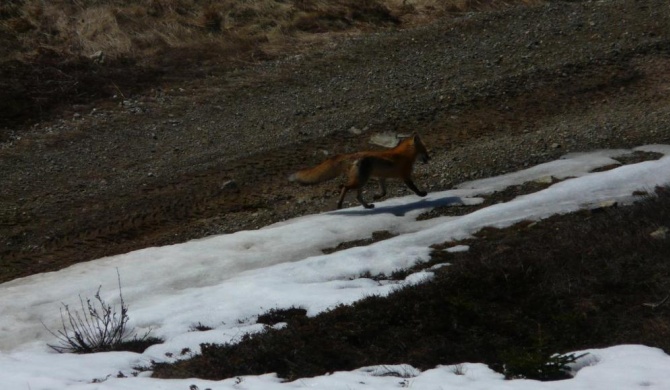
column 396, row 162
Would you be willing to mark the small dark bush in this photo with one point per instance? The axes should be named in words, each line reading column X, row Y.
column 275, row 316
column 199, row 327
column 137, row 344
column 538, row 365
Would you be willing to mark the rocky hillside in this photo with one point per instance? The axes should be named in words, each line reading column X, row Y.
column 489, row 92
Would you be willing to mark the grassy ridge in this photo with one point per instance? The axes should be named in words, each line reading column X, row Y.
column 54, row 53
column 519, row 295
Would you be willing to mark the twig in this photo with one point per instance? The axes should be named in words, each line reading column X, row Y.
column 658, row 304
column 119, row 90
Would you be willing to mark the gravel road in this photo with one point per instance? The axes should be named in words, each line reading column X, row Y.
column 488, row 92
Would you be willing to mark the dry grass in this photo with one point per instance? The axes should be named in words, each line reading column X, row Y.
column 81, row 47
column 148, row 28
column 141, row 28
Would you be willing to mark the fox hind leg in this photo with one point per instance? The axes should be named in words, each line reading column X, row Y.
column 352, row 182
column 359, row 196
column 358, row 177
column 362, row 176
column 342, row 194
column 382, row 189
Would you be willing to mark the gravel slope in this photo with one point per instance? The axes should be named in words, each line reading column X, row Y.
column 488, row 92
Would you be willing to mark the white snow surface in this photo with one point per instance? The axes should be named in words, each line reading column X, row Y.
column 224, row 282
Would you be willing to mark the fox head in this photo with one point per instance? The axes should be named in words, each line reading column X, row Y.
column 419, row 148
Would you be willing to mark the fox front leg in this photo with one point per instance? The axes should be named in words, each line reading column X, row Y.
column 410, row 184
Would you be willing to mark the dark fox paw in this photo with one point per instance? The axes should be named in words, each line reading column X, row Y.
column 369, row 206
column 422, row 193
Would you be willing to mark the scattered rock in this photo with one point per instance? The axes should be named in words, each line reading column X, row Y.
column 660, row 234
column 545, row 179
column 387, row 140
column 230, row 185
column 602, row 206
column 98, row 57
column 458, row 248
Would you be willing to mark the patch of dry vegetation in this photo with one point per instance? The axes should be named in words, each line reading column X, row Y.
column 74, row 51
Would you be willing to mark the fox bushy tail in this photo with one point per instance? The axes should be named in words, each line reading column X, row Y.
column 327, row 170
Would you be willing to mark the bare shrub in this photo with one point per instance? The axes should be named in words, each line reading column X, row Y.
column 98, row 327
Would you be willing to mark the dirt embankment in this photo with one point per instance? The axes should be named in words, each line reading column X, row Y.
column 489, row 93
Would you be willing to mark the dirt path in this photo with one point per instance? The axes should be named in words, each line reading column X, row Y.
column 489, row 93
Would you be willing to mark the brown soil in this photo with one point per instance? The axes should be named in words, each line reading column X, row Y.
column 489, row 92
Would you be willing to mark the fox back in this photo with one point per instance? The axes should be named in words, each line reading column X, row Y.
column 399, row 162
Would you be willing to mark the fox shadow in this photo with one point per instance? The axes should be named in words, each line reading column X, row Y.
column 401, row 210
